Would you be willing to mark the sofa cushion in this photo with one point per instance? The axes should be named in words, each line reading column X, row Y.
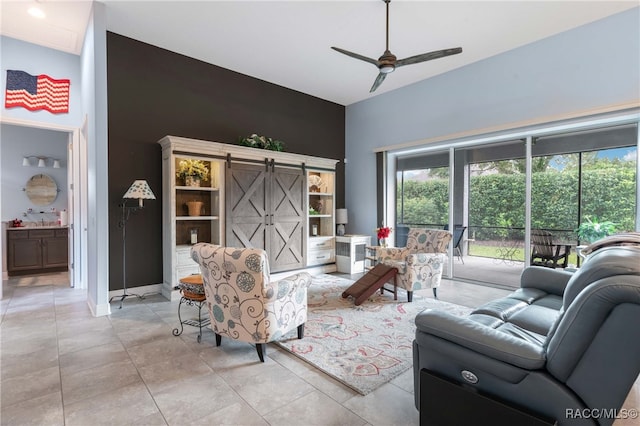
column 535, row 318
column 501, row 308
column 527, row 314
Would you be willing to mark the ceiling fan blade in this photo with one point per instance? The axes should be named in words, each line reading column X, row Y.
column 355, row 55
column 428, row 56
column 379, row 79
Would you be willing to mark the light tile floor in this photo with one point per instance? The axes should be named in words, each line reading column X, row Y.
column 61, row 366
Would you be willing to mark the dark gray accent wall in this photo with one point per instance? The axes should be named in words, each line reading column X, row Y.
column 153, row 92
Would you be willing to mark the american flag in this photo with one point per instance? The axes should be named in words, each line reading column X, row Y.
column 35, row 92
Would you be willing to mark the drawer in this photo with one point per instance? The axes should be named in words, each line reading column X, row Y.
column 61, row 232
column 42, row 233
column 18, row 235
column 320, row 243
column 318, row 257
column 183, row 257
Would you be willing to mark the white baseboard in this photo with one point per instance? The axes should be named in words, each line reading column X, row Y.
column 98, row 310
column 169, row 293
column 143, row 290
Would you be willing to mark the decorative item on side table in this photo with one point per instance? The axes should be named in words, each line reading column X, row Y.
column 192, row 172
column 341, row 221
column 383, row 233
column 140, row 190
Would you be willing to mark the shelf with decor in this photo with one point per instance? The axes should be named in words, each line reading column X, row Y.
column 192, row 209
column 321, row 217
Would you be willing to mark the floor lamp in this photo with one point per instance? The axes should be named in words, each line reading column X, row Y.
column 139, row 190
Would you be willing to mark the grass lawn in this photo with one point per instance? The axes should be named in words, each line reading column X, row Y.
column 498, row 252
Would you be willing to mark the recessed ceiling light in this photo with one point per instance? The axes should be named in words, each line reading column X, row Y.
column 36, row 12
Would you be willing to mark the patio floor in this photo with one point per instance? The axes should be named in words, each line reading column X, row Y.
column 487, row 270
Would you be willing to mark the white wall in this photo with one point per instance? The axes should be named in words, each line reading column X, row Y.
column 94, row 99
column 17, row 142
column 585, row 69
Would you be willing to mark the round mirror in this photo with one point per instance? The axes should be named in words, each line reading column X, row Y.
column 41, row 190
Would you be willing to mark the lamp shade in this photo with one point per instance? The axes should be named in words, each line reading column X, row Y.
column 41, row 163
column 140, row 190
column 56, row 164
column 341, row 216
column 25, row 161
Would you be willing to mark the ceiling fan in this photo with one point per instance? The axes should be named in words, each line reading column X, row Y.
column 388, row 62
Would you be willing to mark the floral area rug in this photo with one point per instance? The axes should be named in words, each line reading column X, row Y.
column 361, row 346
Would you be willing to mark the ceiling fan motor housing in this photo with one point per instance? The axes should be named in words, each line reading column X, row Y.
column 387, row 62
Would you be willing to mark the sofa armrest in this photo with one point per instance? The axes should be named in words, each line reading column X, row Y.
column 553, row 281
column 480, row 339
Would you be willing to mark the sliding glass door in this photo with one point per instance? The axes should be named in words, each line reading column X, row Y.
column 422, row 194
column 496, row 213
column 584, row 177
column 579, row 177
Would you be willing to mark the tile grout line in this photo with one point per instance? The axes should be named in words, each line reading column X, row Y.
column 55, row 315
column 136, row 367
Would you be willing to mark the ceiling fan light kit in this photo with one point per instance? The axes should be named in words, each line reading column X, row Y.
column 388, row 62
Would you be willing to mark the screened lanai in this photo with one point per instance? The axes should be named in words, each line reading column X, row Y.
column 494, row 191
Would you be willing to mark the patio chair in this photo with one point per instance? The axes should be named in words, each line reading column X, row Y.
column 547, row 253
column 458, row 232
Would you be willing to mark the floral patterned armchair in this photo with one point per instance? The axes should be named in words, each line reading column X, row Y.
column 420, row 263
column 243, row 303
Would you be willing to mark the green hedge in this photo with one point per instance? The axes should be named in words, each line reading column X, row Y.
column 497, row 200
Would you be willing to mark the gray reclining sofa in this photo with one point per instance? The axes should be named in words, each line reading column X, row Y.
column 565, row 347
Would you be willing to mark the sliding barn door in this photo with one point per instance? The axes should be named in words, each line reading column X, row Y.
column 265, row 208
column 246, row 206
column 287, row 235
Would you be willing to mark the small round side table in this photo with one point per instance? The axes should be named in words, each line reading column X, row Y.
column 192, row 290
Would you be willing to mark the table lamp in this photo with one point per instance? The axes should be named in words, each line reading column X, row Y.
column 341, row 220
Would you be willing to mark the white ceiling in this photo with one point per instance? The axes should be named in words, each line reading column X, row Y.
column 288, row 42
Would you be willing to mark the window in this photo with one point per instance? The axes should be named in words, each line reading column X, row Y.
column 574, row 175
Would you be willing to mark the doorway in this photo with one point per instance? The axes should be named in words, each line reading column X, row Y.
column 67, row 169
